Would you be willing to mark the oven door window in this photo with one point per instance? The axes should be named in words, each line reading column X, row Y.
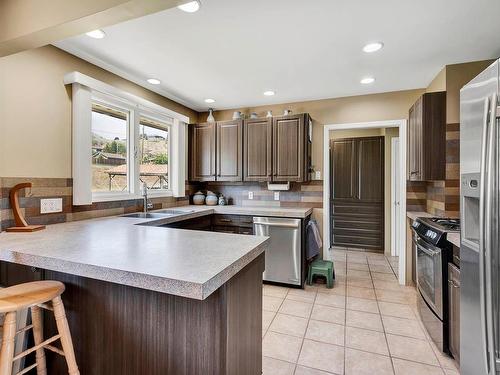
column 429, row 276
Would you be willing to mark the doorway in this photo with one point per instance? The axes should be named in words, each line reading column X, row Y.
column 357, row 193
column 400, row 242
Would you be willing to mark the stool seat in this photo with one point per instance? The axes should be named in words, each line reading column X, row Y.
column 322, row 264
column 22, row 296
column 321, row 268
column 34, row 297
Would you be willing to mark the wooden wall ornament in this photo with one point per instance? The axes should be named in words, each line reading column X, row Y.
column 21, row 224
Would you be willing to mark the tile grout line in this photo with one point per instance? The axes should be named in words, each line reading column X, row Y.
column 383, row 327
column 305, row 333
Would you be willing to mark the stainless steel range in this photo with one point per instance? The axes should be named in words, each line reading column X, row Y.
column 432, row 253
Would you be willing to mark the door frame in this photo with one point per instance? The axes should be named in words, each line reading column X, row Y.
column 402, row 126
column 395, row 251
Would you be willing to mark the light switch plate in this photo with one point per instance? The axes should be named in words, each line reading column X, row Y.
column 48, row 206
column 318, row 175
column 276, row 195
column 250, row 195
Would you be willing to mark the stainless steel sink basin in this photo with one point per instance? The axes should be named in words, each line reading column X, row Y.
column 157, row 214
column 149, row 215
column 173, row 212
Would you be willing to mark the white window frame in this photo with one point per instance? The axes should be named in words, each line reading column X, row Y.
column 168, row 122
column 86, row 90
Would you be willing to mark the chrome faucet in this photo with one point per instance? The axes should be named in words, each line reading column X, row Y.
column 147, row 203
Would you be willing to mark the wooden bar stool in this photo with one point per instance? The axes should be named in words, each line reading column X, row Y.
column 34, row 296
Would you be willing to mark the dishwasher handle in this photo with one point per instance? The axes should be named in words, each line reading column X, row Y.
column 282, row 225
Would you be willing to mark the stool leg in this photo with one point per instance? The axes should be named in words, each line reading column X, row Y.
column 63, row 329
column 309, row 276
column 8, row 344
column 36, row 319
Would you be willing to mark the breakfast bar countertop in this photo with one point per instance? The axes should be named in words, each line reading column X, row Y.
column 186, row 263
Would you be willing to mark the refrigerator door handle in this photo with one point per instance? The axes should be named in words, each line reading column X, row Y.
column 490, row 232
column 482, row 226
column 489, row 235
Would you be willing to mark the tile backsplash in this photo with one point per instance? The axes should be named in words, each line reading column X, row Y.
column 62, row 188
column 308, row 194
column 440, row 198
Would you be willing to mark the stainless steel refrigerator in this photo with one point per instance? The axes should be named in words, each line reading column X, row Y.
column 479, row 250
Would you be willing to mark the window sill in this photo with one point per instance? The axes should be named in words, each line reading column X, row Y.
column 109, row 197
column 159, row 194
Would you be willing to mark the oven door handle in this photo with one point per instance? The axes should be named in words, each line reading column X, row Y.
column 428, row 251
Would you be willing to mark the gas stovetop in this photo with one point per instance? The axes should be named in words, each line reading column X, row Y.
column 434, row 229
column 447, row 224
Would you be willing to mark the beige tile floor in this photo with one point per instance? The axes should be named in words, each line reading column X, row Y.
column 367, row 324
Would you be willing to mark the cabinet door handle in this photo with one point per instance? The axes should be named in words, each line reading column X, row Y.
column 225, row 220
column 454, row 284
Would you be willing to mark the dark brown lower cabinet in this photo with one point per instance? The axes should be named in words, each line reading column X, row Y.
column 357, row 192
column 122, row 330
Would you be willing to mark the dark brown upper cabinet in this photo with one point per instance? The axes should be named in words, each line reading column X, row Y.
column 202, row 152
column 262, row 149
column 291, row 148
column 229, row 152
column 427, row 138
column 257, row 150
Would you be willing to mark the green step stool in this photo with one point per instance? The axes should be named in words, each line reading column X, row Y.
column 322, row 268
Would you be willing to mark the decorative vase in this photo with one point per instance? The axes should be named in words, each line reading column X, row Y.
column 236, row 115
column 199, row 198
column 211, row 199
column 287, row 112
column 210, row 117
column 253, row 115
column 269, row 114
column 222, row 200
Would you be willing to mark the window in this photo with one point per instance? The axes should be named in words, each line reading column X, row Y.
column 121, row 142
column 109, row 149
column 154, row 153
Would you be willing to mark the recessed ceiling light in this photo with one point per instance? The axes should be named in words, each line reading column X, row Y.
column 191, row 7
column 373, row 47
column 209, row 100
column 154, row 81
column 269, row 93
column 367, row 80
column 96, row 34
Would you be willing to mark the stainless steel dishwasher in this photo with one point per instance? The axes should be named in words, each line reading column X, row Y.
column 283, row 256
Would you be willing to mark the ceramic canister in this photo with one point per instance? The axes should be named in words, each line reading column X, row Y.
column 199, row 198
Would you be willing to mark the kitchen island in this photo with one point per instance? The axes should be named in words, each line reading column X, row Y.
column 143, row 299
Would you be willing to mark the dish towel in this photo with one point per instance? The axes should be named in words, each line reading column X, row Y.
column 313, row 240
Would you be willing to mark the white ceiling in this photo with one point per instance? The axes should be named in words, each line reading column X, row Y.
column 234, row 50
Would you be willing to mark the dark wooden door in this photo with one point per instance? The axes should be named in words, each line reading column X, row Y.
column 370, row 169
column 202, row 158
column 357, row 193
column 343, row 163
column 229, row 157
column 257, row 155
column 288, row 148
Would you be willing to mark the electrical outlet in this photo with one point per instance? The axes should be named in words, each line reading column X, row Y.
column 250, row 195
column 48, row 206
column 276, row 195
column 318, row 175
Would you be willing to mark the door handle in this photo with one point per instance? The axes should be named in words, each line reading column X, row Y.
column 485, row 245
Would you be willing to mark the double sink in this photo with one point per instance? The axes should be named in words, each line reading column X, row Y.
column 160, row 214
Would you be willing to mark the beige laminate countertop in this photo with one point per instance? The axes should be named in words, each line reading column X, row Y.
column 137, row 252
column 185, row 263
column 454, row 238
column 298, row 213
